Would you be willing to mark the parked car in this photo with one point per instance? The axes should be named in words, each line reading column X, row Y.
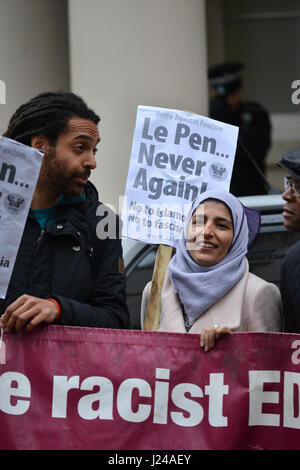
column 264, row 258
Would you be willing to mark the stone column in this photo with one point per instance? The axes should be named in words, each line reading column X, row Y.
column 124, row 53
column 34, row 51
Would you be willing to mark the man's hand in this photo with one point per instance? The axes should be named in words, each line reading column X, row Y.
column 210, row 334
column 30, row 311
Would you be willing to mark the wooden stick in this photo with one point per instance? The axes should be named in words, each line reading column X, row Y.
column 163, row 257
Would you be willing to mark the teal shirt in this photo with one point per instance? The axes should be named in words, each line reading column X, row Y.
column 46, row 217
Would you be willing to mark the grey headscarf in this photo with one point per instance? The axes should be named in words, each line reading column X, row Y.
column 199, row 287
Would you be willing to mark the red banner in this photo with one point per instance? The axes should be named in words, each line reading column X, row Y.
column 70, row 388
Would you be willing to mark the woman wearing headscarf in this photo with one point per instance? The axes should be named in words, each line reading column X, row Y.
column 208, row 288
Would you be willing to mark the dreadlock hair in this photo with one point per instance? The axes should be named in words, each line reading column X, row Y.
column 47, row 114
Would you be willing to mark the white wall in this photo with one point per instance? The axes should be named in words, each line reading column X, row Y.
column 33, row 51
column 129, row 52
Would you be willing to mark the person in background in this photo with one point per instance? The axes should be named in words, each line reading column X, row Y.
column 254, row 140
column 208, row 288
column 64, row 273
column 290, row 268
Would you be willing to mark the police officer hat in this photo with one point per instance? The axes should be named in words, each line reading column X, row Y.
column 290, row 162
column 225, row 78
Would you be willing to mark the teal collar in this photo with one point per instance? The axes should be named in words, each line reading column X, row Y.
column 46, row 217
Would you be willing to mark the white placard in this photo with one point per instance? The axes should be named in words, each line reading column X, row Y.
column 175, row 156
column 19, row 170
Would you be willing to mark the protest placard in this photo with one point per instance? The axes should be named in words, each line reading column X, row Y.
column 175, row 156
column 19, row 170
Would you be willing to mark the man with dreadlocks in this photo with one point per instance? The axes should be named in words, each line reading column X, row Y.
column 64, row 273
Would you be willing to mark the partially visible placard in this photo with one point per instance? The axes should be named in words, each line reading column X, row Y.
column 78, row 388
column 19, row 171
column 175, row 156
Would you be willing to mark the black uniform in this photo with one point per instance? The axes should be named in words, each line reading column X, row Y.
column 69, row 263
column 254, row 130
column 289, row 288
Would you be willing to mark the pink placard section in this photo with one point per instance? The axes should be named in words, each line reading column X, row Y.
column 72, row 388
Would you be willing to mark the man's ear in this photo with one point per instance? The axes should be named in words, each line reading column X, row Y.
column 39, row 142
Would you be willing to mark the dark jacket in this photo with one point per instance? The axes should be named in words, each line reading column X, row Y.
column 70, row 263
column 254, row 138
column 290, row 289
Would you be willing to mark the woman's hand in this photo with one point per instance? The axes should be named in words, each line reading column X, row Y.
column 210, row 334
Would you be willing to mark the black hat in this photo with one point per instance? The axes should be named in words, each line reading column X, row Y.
column 290, row 162
column 226, row 78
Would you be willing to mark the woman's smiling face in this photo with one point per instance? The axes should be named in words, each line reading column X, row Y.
column 210, row 233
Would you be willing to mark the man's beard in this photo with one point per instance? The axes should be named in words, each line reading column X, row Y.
column 58, row 178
